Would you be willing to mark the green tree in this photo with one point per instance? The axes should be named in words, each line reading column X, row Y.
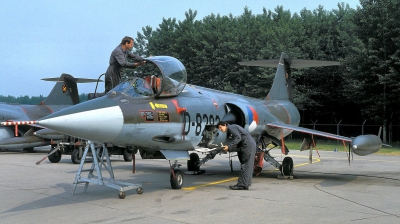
column 211, row 47
column 373, row 77
column 22, row 99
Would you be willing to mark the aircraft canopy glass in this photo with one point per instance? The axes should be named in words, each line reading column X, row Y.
column 161, row 76
column 171, row 78
column 136, row 87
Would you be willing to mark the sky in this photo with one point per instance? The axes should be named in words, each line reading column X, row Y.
column 45, row 38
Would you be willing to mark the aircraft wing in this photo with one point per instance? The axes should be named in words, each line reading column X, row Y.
column 310, row 131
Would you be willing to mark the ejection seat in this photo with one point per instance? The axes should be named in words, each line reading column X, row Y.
column 154, row 82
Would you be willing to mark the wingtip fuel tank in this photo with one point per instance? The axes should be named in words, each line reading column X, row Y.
column 366, row 144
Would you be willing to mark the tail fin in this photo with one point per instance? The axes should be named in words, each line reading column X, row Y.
column 65, row 92
column 282, row 86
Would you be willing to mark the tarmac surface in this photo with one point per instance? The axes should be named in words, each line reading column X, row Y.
column 327, row 191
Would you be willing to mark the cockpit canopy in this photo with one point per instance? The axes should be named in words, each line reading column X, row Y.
column 170, row 79
column 161, row 76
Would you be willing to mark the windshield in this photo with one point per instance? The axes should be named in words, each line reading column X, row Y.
column 135, row 87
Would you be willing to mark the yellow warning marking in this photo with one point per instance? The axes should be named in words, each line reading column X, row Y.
column 303, row 164
column 152, row 105
column 161, row 105
column 315, row 160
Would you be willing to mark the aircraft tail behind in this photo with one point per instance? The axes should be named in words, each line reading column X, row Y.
column 65, row 92
column 282, row 86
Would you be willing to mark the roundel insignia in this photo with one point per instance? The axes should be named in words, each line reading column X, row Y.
column 64, row 88
column 253, row 116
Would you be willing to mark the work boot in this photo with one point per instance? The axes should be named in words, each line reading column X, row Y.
column 237, row 187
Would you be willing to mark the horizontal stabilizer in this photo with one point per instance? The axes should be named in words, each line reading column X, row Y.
column 77, row 80
column 294, row 63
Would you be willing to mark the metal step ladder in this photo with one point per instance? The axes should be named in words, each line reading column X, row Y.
column 95, row 175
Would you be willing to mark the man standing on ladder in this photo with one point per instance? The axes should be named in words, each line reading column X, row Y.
column 118, row 61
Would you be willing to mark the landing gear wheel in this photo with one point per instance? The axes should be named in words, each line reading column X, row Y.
column 127, row 156
column 192, row 163
column 55, row 157
column 139, row 190
column 75, row 158
column 121, row 195
column 287, row 166
column 177, row 182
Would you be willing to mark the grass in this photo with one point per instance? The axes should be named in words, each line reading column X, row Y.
column 331, row 145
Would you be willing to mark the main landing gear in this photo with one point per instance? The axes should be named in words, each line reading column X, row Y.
column 286, row 167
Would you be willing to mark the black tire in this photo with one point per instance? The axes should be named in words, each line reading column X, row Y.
column 193, row 161
column 177, row 183
column 55, row 157
column 127, row 156
column 287, row 166
column 75, row 158
column 121, row 195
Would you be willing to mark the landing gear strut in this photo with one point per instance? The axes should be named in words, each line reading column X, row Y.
column 286, row 167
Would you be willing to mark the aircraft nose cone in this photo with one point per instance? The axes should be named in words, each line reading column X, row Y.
column 99, row 119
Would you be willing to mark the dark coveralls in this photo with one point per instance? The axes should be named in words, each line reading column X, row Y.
column 117, row 63
column 246, row 149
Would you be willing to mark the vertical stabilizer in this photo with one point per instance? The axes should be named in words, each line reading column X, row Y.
column 65, row 92
column 282, row 86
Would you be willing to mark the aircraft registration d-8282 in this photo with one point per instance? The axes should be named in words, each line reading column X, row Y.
column 160, row 115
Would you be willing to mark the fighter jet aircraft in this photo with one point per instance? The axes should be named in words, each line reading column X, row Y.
column 160, row 115
column 21, row 135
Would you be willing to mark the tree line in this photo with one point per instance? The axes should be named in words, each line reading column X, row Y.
column 33, row 100
column 365, row 40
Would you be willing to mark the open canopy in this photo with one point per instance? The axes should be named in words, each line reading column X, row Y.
column 162, row 76
column 171, row 77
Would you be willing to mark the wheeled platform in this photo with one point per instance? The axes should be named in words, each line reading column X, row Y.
column 98, row 164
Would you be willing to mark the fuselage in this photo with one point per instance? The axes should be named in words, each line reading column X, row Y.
column 175, row 123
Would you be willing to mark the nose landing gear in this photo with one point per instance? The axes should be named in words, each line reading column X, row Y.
column 176, row 177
